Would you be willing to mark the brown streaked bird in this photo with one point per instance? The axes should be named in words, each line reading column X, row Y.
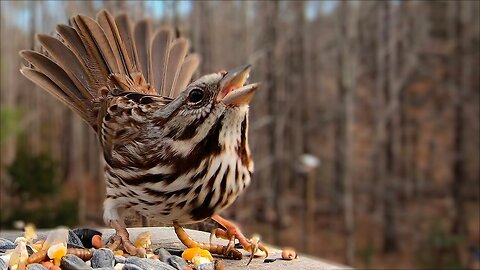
column 175, row 150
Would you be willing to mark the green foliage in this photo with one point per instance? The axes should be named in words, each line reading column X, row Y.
column 439, row 250
column 67, row 213
column 45, row 215
column 366, row 254
column 10, row 118
column 35, row 192
column 33, row 175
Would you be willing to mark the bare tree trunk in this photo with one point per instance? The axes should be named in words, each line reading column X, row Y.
column 32, row 101
column 390, row 243
column 275, row 97
column 343, row 144
column 174, row 11
column 379, row 106
column 202, row 34
column 458, row 182
column 296, row 79
column 121, row 6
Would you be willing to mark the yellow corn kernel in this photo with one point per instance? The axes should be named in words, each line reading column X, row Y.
column 118, row 252
column 36, row 247
column 30, row 232
column 143, row 240
column 190, row 253
column 57, row 236
column 56, row 261
column 198, row 260
column 57, row 251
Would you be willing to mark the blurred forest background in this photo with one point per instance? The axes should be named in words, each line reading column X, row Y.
column 365, row 133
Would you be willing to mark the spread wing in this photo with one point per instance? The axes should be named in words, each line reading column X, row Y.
column 89, row 58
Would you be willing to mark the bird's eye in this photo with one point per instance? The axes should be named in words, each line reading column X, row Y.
column 196, row 95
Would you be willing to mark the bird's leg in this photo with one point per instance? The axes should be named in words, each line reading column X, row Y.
column 121, row 235
column 232, row 232
column 231, row 253
column 145, row 222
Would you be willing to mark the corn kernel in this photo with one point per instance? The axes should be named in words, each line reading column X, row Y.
column 190, row 253
column 58, row 236
column 30, row 233
column 57, row 251
column 143, row 240
column 118, row 252
column 36, row 247
column 56, row 261
column 198, row 260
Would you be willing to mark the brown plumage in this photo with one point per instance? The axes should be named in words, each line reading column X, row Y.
column 175, row 150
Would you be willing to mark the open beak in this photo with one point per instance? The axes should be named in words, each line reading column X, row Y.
column 232, row 88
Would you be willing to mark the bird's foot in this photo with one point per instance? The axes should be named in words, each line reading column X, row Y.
column 228, row 252
column 121, row 237
column 232, row 232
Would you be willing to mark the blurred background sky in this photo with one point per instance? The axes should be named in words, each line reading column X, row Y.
column 365, row 133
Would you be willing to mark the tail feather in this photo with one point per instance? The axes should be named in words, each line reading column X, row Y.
column 91, row 57
column 107, row 23
column 125, row 30
column 98, row 70
column 178, row 51
column 189, row 67
column 142, row 34
column 94, row 54
column 95, row 39
column 55, row 73
column 69, row 62
column 43, row 81
column 160, row 49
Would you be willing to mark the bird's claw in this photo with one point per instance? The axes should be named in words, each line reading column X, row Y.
column 121, row 237
column 250, row 245
column 230, row 232
column 212, row 234
column 255, row 246
column 220, row 233
column 135, row 251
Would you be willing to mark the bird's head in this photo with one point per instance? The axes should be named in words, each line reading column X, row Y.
column 226, row 88
column 215, row 99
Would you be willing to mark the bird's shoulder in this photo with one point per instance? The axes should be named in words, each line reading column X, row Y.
column 125, row 116
column 131, row 106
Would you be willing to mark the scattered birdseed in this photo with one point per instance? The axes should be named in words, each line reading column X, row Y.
column 65, row 249
column 190, row 253
column 289, row 254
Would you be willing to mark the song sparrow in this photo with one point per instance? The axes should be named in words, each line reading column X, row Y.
column 174, row 150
